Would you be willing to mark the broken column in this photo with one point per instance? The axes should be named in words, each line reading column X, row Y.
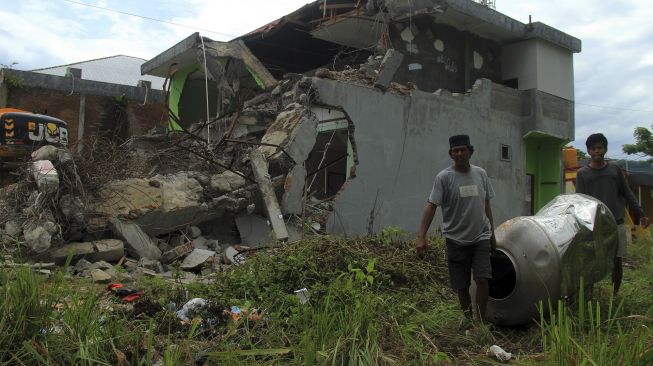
column 260, row 170
column 389, row 66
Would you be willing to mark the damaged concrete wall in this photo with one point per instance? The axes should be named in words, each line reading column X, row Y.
column 440, row 56
column 402, row 143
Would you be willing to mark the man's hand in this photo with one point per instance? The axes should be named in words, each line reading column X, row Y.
column 421, row 246
column 644, row 221
column 493, row 244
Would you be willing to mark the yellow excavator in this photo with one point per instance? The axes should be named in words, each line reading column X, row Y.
column 22, row 132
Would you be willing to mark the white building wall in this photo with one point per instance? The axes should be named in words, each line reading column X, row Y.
column 540, row 65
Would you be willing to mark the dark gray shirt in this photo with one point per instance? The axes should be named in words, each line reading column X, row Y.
column 609, row 186
column 462, row 197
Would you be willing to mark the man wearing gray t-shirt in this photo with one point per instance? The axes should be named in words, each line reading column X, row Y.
column 606, row 182
column 464, row 192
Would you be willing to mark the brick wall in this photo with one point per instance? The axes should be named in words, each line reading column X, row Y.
column 100, row 113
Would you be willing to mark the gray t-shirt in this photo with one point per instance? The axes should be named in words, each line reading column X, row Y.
column 462, row 197
column 609, row 186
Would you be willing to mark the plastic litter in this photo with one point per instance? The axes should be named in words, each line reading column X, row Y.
column 500, row 354
column 125, row 294
column 192, row 305
column 302, row 295
column 237, row 313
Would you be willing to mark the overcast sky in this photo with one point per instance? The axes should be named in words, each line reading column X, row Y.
column 613, row 73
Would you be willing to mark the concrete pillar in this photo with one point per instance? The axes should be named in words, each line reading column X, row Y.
column 262, row 176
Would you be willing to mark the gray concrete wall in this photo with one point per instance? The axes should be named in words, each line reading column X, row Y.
column 402, row 142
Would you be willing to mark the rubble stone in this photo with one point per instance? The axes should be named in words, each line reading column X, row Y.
column 200, row 242
column 150, row 264
column 39, row 236
column 99, row 276
column 12, row 228
column 176, row 253
column 227, row 181
column 230, row 256
column 72, row 208
column 109, row 250
column 100, row 265
column 82, row 265
column 47, row 152
column 45, row 175
column 194, row 232
column 139, row 244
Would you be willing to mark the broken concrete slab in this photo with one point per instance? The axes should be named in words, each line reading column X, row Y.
column 292, row 201
column 260, row 170
column 389, row 66
column 295, row 131
column 139, row 244
column 110, row 250
column 196, row 258
column 159, row 205
column 254, row 230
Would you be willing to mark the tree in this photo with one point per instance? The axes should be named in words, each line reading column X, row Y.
column 643, row 143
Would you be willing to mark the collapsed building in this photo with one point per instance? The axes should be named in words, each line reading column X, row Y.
column 352, row 103
column 333, row 119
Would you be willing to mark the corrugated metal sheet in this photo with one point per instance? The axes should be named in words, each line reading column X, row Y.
column 119, row 69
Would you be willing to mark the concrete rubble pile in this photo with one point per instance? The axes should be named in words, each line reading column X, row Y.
column 243, row 191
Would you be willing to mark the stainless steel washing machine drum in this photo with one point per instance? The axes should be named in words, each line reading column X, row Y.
column 544, row 256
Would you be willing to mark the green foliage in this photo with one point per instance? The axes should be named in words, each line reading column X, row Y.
column 643, row 143
column 372, row 302
column 392, row 235
column 7, row 77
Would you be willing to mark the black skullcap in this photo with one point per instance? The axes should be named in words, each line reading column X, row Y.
column 459, row 140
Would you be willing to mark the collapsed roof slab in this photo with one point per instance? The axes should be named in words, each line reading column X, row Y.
column 190, row 51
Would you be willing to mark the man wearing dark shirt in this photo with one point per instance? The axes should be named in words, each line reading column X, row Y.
column 606, row 182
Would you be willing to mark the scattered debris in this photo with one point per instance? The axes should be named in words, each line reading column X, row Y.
column 302, row 295
column 500, row 354
column 193, row 305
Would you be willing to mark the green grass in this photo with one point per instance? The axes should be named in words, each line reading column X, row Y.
column 372, row 302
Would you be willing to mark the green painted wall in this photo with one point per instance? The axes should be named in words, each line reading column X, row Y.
column 544, row 164
column 177, row 83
